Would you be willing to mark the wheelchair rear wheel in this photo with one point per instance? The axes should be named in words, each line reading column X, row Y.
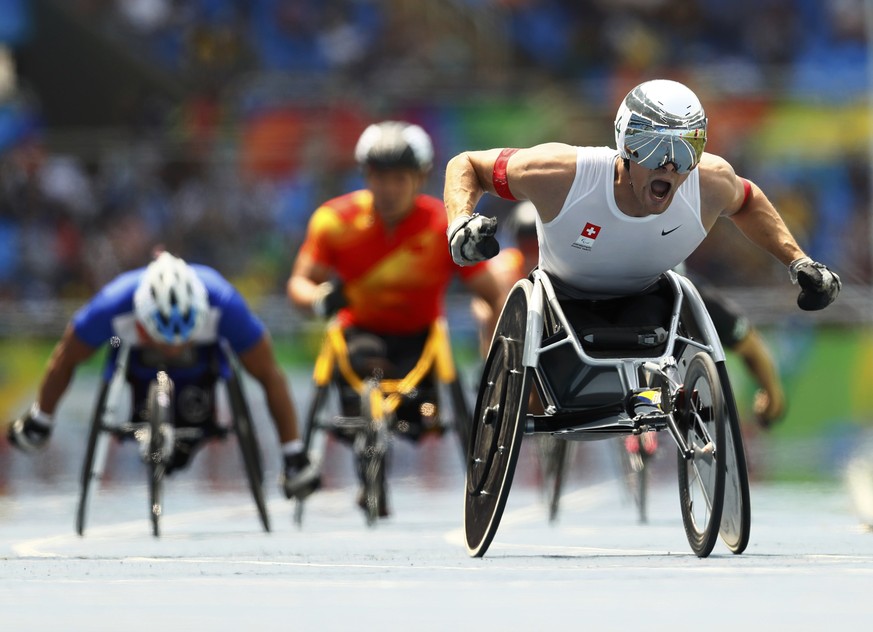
column 248, row 445
column 92, row 468
column 496, row 433
column 313, row 416
column 702, row 476
column 736, row 515
column 461, row 412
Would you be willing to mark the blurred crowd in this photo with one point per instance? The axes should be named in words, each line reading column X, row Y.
column 277, row 92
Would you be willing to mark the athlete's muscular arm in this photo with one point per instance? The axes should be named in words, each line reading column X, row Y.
column 69, row 352
column 723, row 193
column 306, row 276
column 542, row 174
column 261, row 363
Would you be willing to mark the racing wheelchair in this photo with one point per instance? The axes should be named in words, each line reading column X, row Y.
column 432, row 385
column 158, row 435
column 599, row 382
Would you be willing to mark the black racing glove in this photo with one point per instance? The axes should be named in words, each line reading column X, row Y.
column 819, row 287
column 29, row 434
column 471, row 239
column 329, row 299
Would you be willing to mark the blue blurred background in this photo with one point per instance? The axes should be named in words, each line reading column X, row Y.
column 215, row 127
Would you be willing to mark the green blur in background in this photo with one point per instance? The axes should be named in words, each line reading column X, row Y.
column 827, row 374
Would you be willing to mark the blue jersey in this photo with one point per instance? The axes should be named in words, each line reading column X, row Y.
column 109, row 314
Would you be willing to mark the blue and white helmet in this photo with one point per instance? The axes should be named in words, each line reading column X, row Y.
column 395, row 144
column 661, row 122
column 171, row 302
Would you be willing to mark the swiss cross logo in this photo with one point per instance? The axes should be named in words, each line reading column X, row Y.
column 586, row 238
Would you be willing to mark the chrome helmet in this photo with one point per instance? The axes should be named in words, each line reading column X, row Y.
column 395, row 144
column 171, row 301
column 661, row 122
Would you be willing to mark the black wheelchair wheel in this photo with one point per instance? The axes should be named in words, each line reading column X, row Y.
column 89, row 478
column 702, row 477
column 316, row 407
column 553, row 462
column 247, row 440
column 461, row 412
column 736, row 516
column 160, row 414
column 497, row 429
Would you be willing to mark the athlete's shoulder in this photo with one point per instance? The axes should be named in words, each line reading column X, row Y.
column 597, row 154
column 118, row 293
column 718, row 180
column 348, row 204
column 218, row 288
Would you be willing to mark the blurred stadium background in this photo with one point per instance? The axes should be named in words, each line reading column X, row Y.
column 215, row 127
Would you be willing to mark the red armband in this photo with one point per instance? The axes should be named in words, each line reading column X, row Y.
column 498, row 176
column 747, row 191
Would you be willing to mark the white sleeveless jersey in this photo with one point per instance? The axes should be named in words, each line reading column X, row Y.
column 593, row 246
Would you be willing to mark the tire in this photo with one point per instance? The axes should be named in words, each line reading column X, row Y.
column 319, row 400
column 736, row 516
column 461, row 412
column 371, row 447
column 90, row 477
column 553, row 457
column 160, row 414
column 497, row 429
column 373, row 462
column 248, row 444
column 635, row 468
column 703, row 420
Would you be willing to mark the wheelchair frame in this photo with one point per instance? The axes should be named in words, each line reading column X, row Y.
column 380, row 398
column 157, row 434
column 696, row 407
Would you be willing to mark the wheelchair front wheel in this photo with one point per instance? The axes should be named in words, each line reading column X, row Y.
column 553, row 459
column 160, row 413
column 702, row 475
column 498, row 425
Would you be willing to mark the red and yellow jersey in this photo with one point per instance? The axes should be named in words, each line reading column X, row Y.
column 394, row 278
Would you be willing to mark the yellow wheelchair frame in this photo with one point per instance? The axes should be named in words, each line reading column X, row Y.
column 380, row 399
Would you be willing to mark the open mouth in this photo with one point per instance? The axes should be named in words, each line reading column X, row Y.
column 660, row 188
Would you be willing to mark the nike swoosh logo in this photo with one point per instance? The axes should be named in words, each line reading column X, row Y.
column 667, row 232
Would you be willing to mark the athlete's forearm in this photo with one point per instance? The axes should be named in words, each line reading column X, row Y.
column 261, row 363
column 463, row 189
column 68, row 353
column 761, row 223
column 281, row 408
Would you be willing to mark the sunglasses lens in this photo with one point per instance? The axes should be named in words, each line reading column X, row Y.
column 653, row 150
